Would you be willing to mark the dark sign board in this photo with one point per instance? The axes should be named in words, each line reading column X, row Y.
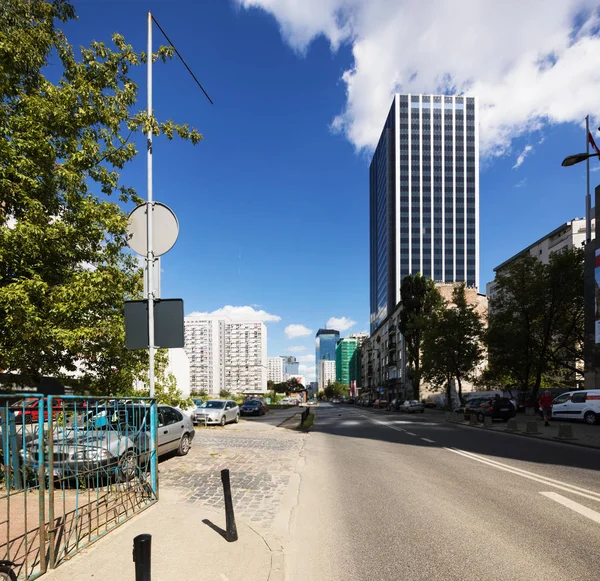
column 168, row 324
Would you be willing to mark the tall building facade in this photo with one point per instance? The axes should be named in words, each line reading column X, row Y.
column 325, row 343
column 347, row 360
column 225, row 354
column 275, row 369
column 290, row 366
column 424, row 197
column 326, row 369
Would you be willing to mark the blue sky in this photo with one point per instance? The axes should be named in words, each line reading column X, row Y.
column 273, row 204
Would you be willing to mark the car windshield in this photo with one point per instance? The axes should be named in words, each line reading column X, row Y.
column 252, row 402
column 215, row 405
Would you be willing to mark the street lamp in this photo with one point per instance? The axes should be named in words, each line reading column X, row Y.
column 577, row 158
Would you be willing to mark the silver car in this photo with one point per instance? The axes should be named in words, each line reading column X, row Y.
column 115, row 440
column 217, row 411
column 412, row 406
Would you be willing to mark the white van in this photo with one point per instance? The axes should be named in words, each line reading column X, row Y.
column 578, row 405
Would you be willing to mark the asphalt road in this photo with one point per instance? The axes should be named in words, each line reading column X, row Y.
column 394, row 497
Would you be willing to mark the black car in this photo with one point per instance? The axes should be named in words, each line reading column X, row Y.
column 252, row 407
column 471, row 405
column 497, row 408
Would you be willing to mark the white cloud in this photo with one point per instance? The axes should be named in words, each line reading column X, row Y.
column 521, row 183
column 245, row 313
column 531, row 63
column 293, row 331
column 306, row 359
column 297, row 349
column 595, row 168
column 522, row 156
column 309, row 371
column 340, row 323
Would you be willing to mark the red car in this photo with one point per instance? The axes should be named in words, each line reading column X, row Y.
column 27, row 412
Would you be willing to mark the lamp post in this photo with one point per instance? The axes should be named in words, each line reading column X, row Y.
column 589, row 290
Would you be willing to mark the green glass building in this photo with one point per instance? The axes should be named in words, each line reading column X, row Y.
column 347, row 361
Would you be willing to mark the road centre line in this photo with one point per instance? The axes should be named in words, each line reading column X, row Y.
column 575, row 506
column 410, row 433
column 590, row 494
column 428, row 440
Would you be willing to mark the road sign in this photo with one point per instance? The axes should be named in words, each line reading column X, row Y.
column 165, row 229
column 168, row 324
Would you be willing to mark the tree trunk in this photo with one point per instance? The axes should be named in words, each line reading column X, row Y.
column 460, row 397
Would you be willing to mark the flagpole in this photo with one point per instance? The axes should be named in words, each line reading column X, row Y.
column 588, row 198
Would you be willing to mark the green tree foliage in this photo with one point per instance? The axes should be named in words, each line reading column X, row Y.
column 289, row 386
column 420, row 299
column 64, row 268
column 165, row 384
column 452, row 342
column 225, row 394
column 536, row 323
column 198, row 393
column 336, row 389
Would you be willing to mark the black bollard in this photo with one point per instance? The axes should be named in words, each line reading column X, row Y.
column 142, row 548
column 231, row 530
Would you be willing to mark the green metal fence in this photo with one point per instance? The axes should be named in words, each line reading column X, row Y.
column 73, row 469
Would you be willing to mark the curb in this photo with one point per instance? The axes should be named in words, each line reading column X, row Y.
column 554, row 439
column 277, row 570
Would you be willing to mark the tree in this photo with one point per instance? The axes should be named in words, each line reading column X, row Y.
column 536, row 323
column 270, row 385
column 198, row 393
column 452, row 342
column 336, row 389
column 64, row 269
column 419, row 299
column 225, row 394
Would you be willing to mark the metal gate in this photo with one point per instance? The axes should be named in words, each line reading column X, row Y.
column 73, row 469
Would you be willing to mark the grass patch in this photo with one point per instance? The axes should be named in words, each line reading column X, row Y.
column 310, row 420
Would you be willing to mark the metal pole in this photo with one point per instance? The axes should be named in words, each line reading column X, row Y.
column 149, row 209
column 588, row 198
column 142, row 547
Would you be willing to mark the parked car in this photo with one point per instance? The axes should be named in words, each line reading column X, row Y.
column 473, row 405
column 497, row 408
column 252, row 407
column 116, row 439
column 380, row 404
column 578, row 405
column 217, row 411
column 312, row 401
column 28, row 412
column 412, row 406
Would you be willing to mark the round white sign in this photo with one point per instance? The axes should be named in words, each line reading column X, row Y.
column 165, row 229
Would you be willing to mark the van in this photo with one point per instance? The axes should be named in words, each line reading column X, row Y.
column 578, row 405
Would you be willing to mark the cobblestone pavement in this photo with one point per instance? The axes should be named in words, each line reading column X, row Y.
column 261, row 459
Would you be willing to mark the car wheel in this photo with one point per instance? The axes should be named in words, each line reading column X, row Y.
column 7, row 574
column 237, row 419
column 223, row 420
column 127, row 466
column 590, row 418
column 184, row 445
column 480, row 418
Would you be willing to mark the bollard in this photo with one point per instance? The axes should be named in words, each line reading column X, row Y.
column 448, row 416
column 512, row 425
column 565, row 432
column 487, row 421
column 529, row 411
column 142, row 548
column 473, row 420
column 531, row 428
column 230, row 528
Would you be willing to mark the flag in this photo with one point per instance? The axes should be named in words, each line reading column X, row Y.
column 593, row 143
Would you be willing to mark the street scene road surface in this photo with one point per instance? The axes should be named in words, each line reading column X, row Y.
column 391, row 496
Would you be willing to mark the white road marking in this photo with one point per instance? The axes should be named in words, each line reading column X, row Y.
column 530, row 475
column 428, row 440
column 408, row 433
column 579, row 508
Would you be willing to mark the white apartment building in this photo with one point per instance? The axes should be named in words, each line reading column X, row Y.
column 224, row 354
column 275, row 369
column 568, row 235
column 246, row 357
column 326, row 373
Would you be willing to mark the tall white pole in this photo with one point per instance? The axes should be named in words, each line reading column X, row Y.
column 588, row 198
column 149, row 210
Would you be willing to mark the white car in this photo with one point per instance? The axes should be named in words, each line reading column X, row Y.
column 412, row 406
column 578, row 405
column 217, row 411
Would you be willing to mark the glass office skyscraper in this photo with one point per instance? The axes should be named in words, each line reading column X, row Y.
column 424, row 196
column 326, row 340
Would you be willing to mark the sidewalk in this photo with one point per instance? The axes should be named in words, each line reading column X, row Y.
column 585, row 435
column 183, row 547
